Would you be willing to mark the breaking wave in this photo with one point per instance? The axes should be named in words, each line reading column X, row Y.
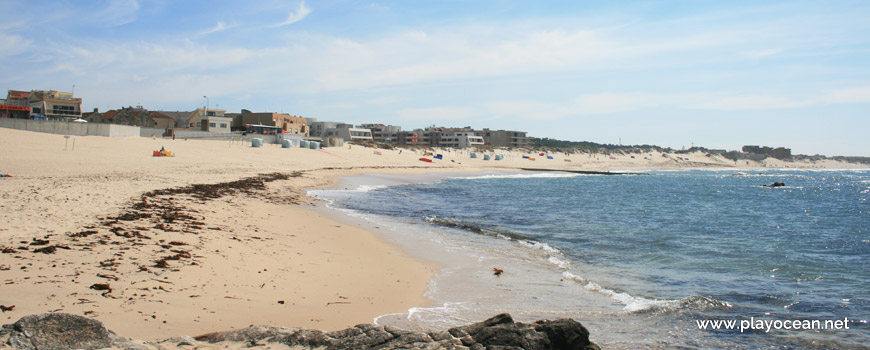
column 553, row 256
column 637, row 304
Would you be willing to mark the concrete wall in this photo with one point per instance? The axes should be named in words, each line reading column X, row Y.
column 194, row 134
column 147, row 132
column 71, row 128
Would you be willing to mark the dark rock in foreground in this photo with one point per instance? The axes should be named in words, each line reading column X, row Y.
column 59, row 331
column 65, row 331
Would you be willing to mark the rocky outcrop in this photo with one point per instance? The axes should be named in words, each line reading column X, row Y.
column 58, row 331
column 64, row 331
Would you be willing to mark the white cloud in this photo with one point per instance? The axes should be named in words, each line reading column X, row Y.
column 118, row 12
column 436, row 113
column 607, row 103
column 859, row 94
column 295, row 16
column 219, row 27
column 13, row 44
column 527, row 110
column 384, row 100
column 760, row 54
column 749, row 102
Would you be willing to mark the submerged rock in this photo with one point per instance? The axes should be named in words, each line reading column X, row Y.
column 65, row 331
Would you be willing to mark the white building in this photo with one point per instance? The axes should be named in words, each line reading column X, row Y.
column 349, row 134
column 470, row 141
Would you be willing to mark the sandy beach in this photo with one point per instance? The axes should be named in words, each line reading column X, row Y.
column 221, row 236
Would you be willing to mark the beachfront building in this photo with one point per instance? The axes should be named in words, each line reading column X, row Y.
column 55, row 105
column 15, row 105
column 441, row 137
column 383, row 133
column 318, row 129
column 212, row 120
column 289, row 124
column 42, row 104
column 349, row 134
column 505, row 138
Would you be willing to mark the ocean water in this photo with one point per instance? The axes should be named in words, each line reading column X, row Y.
column 639, row 259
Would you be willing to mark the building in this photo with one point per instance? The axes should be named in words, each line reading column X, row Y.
column 349, row 134
column 454, row 137
column 441, row 137
column 318, row 129
column 383, row 133
column 289, row 124
column 15, row 105
column 51, row 104
column 55, row 105
column 506, row 138
column 212, row 120
column 778, row 153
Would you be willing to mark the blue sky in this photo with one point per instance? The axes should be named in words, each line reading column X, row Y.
column 671, row 73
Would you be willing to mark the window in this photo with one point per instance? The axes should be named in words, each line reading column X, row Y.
column 64, row 110
column 223, row 125
column 212, row 125
column 210, row 114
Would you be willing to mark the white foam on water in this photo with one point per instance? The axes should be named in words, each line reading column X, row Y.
column 632, row 303
column 554, row 256
column 519, row 176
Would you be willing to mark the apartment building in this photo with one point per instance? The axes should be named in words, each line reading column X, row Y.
column 383, row 133
column 349, row 134
column 441, row 137
column 505, row 138
column 318, row 129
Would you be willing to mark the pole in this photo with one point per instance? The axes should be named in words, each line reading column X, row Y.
column 206, row 110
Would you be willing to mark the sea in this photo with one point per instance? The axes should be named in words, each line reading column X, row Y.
column 644, row 260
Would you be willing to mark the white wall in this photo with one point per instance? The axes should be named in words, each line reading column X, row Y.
column 70, row 128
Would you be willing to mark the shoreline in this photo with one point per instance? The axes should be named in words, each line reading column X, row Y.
column 56, row 193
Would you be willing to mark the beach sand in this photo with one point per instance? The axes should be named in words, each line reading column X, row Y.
column 109, row 232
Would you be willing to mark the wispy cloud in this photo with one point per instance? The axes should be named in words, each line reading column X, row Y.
column 218, row 27
column 118, row 12
column 436, row 114
column 760, row 54
column 859, row 94
column 295, row 16
column 11, row 44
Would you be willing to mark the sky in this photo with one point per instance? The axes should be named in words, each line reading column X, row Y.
column 717, row 74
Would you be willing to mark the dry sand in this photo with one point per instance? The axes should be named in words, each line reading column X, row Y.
column 110, row 232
